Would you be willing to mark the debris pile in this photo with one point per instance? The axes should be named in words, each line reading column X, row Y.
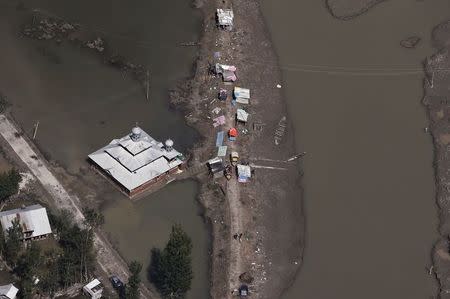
column 49, row 28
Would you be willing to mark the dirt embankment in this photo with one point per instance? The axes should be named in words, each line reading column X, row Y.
column 437, row 101
column 349, row 9
column 267, row 211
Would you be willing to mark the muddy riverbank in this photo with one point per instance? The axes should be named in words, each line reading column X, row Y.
column 437, row 101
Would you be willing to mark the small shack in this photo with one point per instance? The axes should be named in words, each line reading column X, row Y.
column 241, row 95
column 225, row 18
column 242, row 116
column 228, row 72
column 216, row 167
column 244, row 173
column 94, row 289
column 32, row 219
column 8, row 291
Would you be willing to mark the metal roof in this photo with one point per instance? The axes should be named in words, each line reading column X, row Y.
column 135, row 162
column 242, row 115
column 33, row 219
column 241, row 93
column 225, row 17
column 9, row 291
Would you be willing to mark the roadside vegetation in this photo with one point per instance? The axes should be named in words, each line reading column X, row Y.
column 53, row 264
column 171, row 268
column 9, row 184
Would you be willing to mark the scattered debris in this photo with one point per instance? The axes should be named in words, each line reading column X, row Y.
column 278, row 85
column 216, row 110
column 27, row 178
column 97, row 44
column 246, row 278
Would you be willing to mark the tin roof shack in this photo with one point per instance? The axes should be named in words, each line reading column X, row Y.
column 216, row 167
column 137, row 161
column 244, row 173
column 33, row 220
column 94, row 289
column 8, row 291
column 242, row 95
column 225, row 18
column 228, row 72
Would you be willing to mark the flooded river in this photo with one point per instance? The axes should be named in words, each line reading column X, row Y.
column 82, row 104
column 369, row 194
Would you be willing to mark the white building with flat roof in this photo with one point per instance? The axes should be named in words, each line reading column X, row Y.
column 136, row 161
column 8, row 291
column 94, row 289
column 33, row 220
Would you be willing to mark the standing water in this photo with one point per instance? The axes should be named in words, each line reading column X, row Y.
column 369, row 193
column 82, row 104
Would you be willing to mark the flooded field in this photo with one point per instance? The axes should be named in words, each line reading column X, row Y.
column 354, row 96
column 82, row 104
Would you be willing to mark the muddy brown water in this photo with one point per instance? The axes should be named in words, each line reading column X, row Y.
column 83, row 104
column 369, row 192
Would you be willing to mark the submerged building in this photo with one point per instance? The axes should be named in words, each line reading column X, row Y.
column 137, row 161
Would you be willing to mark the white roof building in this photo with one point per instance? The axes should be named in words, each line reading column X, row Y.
column 136, row 159
column 242, row 115
column 8, row 291
column 33, row 220
column 94, row 289
column 244, row 173
column 242, row 95
column 225, row 17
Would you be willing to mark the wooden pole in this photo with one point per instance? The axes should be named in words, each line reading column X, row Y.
column 35, row 129
column 147, row 89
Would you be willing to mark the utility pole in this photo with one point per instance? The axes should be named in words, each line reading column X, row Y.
column 147, row 85
column 35, row 129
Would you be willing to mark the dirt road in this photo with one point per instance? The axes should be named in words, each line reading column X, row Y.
column 108, row 260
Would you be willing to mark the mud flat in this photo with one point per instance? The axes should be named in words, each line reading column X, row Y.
column 268, row 209
column 349, row 9
column 437, row 101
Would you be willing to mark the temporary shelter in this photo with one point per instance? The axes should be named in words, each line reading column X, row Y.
column 225, row 18
column 244, row 173
column 242, row 115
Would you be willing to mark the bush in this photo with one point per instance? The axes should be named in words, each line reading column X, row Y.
column 9, row 184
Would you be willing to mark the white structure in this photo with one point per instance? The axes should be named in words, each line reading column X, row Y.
column 8, row 291
column 33, row 220
column 244, row 173
column 94, row 289
column 242, row 95
column 137, row 160
column 225, row 18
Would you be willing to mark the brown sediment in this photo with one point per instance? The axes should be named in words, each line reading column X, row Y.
column 437, row 101
column 267, row 211
column 350, row 9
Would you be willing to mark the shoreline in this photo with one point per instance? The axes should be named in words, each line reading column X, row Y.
column 435, row 100
column 277, row 260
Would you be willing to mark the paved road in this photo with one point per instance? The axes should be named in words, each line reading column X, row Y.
column 107, row 258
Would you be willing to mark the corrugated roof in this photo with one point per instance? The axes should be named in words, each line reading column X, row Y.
column 33, row 219
column 242, row 115
column 9, row 290
column 135, row 162
column 225, row 17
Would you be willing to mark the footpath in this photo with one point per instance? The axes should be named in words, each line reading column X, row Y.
column 107, row 258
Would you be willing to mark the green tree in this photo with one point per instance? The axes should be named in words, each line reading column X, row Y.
column 13, row 242
column 132, row 288
column 9, row 184
column 171, row 269
column 27, row 268
column 93, row 218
